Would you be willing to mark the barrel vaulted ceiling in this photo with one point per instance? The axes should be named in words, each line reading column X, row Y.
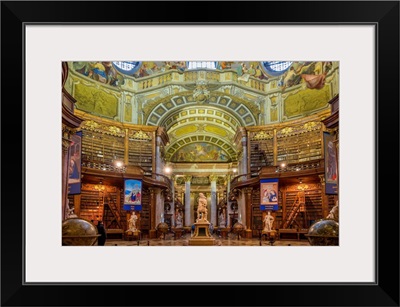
column 201, row 104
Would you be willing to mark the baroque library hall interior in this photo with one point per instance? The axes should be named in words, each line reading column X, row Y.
column 205, row 153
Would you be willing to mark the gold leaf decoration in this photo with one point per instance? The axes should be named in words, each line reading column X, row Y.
column 311, row 126
column 115, row 131
column 140, row 135
column 264, row 135
column 286, row 130
column 91, row 125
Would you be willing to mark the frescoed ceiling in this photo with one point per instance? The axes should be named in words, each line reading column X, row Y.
column 201, row 105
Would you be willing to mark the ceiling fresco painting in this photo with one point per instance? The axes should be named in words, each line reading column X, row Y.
column 114, row 73
column 202, row 104
column 200, row 152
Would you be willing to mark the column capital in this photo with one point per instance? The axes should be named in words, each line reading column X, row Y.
column 227, row 178
column 243, row 131
column 322, row 179
column 188, row 178
column 213, row 178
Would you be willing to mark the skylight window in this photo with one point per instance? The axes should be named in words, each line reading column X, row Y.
column 127, row 67
column 276, row 68
column 203, row 64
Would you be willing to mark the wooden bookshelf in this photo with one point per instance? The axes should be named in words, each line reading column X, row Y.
column 141, row 153
column 91, row 205
column 145, row 213
column 101, row 148
column 299, row 146
column 312, row 210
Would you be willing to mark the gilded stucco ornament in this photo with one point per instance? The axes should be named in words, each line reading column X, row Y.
column 140, row 135
column 264, row 135
column 201, row 94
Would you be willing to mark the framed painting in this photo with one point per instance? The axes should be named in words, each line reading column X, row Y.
column 362, row 35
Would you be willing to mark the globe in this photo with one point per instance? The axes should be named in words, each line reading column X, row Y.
column 77, row 231
column 237, row 228
column 324, row 232
column 162, row 227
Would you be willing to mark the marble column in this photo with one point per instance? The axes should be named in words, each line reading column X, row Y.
column 275, row 149
column 188, row 179
column 248, row 203
column 152, row 232
column 160, row 214
column 245, row 156
column 65, row 171
column 228, row 202
column 213, row 217
column 325, row 207
column 159, row 162
column 173, row 201
column 248, row 208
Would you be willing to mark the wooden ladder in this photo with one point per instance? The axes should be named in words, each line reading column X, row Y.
column 292, row 214
column 115, row 212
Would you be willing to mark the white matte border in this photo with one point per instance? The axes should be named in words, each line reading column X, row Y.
column 48, row 45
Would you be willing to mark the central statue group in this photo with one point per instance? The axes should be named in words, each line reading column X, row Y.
column 202, row 208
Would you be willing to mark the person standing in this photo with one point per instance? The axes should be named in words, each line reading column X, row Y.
column 101, row 240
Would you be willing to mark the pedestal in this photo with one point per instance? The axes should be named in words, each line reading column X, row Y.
column 248, row 234
column 201, row 235
column 152, row 234
column 178, row 232
column 132, row 235
column 224, row 232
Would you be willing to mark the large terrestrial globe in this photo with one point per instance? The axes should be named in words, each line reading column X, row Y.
column 237, row 228
column 162, row 227
column 77, row 231
column 324, row 232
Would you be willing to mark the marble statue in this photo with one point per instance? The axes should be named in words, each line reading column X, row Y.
column 268, row 221
column 178, row 220
column 222, row 220
column 132, row 222
column 202, row 208
column 334, row 213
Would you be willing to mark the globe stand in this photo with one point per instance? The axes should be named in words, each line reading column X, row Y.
column 269, row 235
column 77, row 231
column 201, row 234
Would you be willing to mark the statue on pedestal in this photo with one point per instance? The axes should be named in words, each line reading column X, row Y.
column 222, row 219
column 202, row 208
column 132, row 222
column 268, row 221
column 178, row 220
column 334, row 213
column 203, row 229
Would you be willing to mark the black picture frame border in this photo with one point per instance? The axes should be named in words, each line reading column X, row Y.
column 384, row 14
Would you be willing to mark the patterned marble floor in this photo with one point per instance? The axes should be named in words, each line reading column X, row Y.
column 232, row 241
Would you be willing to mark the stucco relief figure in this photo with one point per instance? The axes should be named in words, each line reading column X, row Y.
column 202, row 208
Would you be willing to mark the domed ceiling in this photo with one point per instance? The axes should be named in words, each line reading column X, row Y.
column 202, row 104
